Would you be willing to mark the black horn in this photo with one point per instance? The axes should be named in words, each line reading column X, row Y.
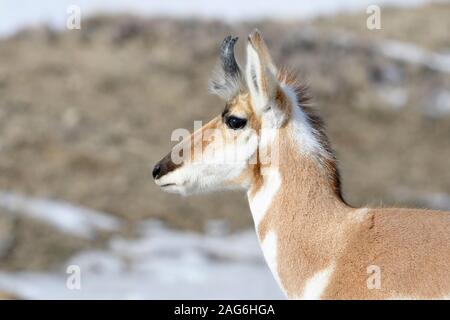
column 226, row 81
column 229, row 63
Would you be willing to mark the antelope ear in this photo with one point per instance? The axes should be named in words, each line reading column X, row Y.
column 260, row 73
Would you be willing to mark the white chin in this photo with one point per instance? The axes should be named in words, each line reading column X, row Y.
column 173, row 188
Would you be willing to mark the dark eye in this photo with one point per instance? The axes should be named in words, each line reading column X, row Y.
column 235, row 122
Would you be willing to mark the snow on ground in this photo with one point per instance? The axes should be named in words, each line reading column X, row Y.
column 158, row 264
column 440, row 104
column 410, row 53
column 74, row 220
column 400, row 51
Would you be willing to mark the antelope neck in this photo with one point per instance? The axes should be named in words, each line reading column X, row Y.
column 299, row 218
column 296, row 188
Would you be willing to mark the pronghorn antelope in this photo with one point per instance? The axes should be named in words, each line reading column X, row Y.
column 316, row 245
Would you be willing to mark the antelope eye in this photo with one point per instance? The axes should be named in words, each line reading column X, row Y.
column 235, row 123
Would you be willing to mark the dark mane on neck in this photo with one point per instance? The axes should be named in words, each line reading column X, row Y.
column 327, row 158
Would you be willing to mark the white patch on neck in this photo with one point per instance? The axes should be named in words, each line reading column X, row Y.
column 261, row 201
column 269, row 249
column 302, row 131
column 316, row 285
column 360, row 215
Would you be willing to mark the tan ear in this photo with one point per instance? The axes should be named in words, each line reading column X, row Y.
column 256, row 40
column 260, row 72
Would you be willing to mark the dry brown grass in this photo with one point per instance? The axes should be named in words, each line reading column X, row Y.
column 427, row 26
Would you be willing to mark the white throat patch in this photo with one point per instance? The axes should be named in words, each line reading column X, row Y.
column 270, row 251
column 261, row 201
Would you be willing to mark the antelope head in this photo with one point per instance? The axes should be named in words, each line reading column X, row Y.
column 228, row 152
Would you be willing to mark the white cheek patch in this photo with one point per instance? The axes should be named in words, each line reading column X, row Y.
column 221, row 162
column 268, row 136
column 235, row 150
column 317, row 284
column 273, row 117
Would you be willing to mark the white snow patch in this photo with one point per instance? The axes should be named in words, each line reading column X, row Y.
column 409, row 53
column 78, row 221
column 395, row 97
column 159, row 264
column 439, row 105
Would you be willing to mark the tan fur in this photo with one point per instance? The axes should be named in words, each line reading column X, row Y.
column 316, row 230
column 196, row 143
column 257, row 42
column 201, row 139
column 298, row 215
column 411, row 247
column 314, row 227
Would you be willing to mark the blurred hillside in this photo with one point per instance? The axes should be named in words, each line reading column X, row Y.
column 85, row 114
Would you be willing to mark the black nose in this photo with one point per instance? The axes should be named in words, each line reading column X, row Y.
column 165, row 166
column 156, row 171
